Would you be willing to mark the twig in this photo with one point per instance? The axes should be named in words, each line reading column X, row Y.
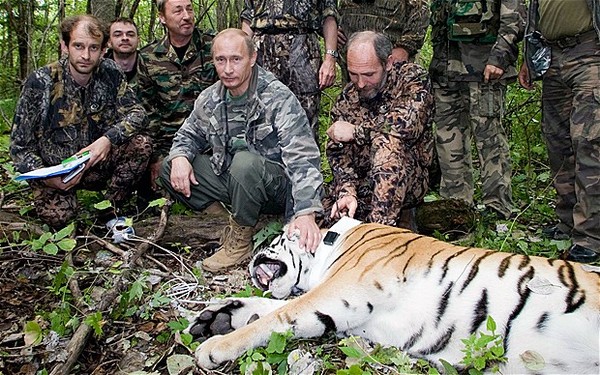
column 73, row 284
column 80, row 337
column 107, row 245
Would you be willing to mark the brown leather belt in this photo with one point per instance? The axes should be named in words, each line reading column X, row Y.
column 572, row 41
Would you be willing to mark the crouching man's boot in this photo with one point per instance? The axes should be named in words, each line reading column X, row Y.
column 236, row 246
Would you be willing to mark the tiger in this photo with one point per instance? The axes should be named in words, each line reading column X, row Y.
column 422, row 295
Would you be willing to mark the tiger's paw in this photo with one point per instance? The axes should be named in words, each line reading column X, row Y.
column 225, row 315
column 209, row 355
column 218, row 318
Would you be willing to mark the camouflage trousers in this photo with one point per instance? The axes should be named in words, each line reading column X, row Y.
column 250, row 186
column 119, row 173
column 467, row 111
column 295, row 60
column 391, row 183
column 571, row 126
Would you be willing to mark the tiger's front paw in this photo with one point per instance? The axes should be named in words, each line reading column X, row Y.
column 208, row 356
column 215, row 319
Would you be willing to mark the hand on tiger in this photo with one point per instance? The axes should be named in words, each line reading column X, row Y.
column 309, row 232
column 345, row 206
column 182, row 174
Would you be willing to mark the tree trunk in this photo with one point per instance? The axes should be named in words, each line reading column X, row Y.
column 103, row 9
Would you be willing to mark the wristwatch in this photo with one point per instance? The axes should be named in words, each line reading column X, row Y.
column 333, row 53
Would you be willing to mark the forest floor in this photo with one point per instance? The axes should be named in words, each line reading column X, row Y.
column 134, row 309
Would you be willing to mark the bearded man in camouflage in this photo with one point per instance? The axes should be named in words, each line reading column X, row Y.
column 286, row 35
column 247, row 144
column 173, row 72
column 80, row 103
column 474, row 54
column 381, row 141
column 571, row 117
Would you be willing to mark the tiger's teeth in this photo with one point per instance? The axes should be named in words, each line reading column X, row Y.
column 266, row 270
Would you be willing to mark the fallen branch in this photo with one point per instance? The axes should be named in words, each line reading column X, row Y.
column 80, row 337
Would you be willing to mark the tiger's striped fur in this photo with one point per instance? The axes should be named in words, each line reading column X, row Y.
column 422, row 295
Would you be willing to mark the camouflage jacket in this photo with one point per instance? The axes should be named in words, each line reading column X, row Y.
column 277, row 128
column 288, row 14
column 56, row 117
column 168, row 87
column 455, row 60
column 402, row 113
column 404, row 22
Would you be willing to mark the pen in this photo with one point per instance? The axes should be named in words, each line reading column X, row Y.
column 75, row 157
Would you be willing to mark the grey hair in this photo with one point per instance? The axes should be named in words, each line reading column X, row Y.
column 381, row 43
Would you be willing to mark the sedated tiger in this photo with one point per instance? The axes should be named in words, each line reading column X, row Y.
column 422, row 295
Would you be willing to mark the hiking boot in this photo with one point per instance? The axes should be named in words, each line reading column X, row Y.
column 578, row 253
column 236, row 246
column 555, row 233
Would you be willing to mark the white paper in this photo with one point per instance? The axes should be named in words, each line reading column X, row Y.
column 55, row 170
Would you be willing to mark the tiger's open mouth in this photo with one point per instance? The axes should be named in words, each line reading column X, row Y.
column 266, row 270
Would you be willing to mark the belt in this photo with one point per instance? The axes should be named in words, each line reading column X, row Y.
column 287, row 30
column 572, row 41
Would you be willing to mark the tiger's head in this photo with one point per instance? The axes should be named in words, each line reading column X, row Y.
column 281, row 267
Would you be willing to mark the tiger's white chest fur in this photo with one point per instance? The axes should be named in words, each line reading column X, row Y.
column 419, row 294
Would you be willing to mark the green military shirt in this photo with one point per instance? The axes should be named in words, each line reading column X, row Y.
column 168, row 86
column 561, row 18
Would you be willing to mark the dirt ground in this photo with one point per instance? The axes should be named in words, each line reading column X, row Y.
column 139, row 339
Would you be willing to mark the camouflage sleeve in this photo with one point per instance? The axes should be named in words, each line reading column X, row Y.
column 330, row 9
column 409, row 29
column 29, row 116
column 190, row 139
column 412, row 110
column 248, row 11
column 146, row 92
column 505, row 51
column 299, row 151
column 131, row 116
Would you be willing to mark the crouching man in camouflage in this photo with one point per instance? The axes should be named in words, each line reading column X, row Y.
column 247, row 144
column 79, row 103
column 381, row 141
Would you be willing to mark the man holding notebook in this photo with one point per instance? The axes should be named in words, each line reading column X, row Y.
column 79, row 105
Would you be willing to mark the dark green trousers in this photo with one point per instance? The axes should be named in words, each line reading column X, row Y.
column 250, row 186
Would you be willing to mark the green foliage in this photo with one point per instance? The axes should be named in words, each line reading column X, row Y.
column 274, row 355
column 32, row 333
column 267, row 233
column 251, row 291
column 51, row 243
column 483, row 351
column 363, row 360
column 96, row 322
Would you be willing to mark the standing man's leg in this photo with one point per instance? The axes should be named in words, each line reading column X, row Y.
column 557, row 100
column 295, row 61
column 453, row 141
column 580, row 73
column 487, row 109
